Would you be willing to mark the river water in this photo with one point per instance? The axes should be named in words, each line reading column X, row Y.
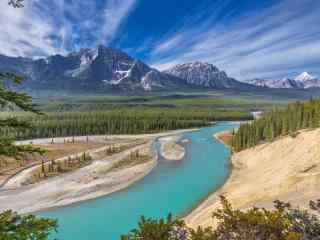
column 172, row 187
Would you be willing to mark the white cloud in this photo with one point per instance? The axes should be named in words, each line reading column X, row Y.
column 49, row 27
column 115, row 13
column 168, row 44
column 273, row 42
column 24, row 32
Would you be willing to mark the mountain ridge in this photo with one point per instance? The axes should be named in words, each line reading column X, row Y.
column 205, row 74
column 301, row 81
column 109, row 69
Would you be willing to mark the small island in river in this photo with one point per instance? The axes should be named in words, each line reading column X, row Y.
column 170, row 148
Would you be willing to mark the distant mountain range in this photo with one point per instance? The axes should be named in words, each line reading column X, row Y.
column 302, row 81
column 110, row 69
column 106, row 69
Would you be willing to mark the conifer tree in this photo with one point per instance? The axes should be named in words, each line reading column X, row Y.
column 294, row 117
column 11, row 100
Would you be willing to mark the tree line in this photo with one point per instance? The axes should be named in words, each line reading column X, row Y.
column 278, row 122
column 114, row 121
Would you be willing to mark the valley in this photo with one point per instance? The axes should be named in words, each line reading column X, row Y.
column 159, row 120
column 110, row 150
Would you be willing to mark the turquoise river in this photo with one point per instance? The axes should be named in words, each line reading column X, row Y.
column 172, row 187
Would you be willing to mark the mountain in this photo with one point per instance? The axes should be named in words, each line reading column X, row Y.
column 97, row 69
column 308, row 80
column 108, row 69
column 302, row 81
column 205, row 75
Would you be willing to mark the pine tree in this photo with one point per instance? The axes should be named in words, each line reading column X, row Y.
column 11, row 99
column 277, row 123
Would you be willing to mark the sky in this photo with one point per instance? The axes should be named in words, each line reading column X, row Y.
column 246, row 38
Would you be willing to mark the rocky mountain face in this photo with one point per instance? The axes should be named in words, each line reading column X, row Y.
column 90, row 69
column 205, row 75
column 302, row 81
column 102, row 68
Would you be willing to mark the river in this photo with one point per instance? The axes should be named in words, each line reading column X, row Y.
column 172, row 187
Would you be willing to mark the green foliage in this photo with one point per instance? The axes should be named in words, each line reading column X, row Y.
column 217, row 101
column 164, row 229
column 29, row 227
column 202, row 234
column 125, row 120
column 8, row 148
column 277, row 123
column 280, row 223
column 10, row 100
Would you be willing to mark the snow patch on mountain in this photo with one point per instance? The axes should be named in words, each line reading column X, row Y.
column 305, row 76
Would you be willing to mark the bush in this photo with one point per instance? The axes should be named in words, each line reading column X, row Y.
column 281, row 223
column 16, row 227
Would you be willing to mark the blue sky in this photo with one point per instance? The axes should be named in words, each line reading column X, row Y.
column 247, row 38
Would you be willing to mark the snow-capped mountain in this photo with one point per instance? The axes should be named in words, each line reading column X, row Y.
column 302, row 81
column 303, row 77
column 270, row 83
column 205, row 75
column 105, row 68
column 99, row 69
column 308, row 80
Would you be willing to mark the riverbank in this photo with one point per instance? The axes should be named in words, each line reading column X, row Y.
column 103, row 176
column 287, row 169
column 224, row 137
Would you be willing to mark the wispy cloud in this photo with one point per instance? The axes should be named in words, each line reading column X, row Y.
column 24, row 32
column 276, row 40
column 46, row 27
column 281, row 39
column 169, row 44
column 114, row 14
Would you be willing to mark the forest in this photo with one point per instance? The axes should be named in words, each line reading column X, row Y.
column 276, row 123
column 123, row 120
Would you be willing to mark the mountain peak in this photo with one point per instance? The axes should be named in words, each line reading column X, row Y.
column 302, row 81
column 197, row 65
column 103, row 68
column 204, row 75
column 305, row 76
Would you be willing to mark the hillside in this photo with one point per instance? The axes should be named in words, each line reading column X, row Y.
column 287, row 169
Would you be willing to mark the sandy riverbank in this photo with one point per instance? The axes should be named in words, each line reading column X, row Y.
column 89, row 182
column 225, row 137
column 170, row 149
column 287, row 169
column 86, row 183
